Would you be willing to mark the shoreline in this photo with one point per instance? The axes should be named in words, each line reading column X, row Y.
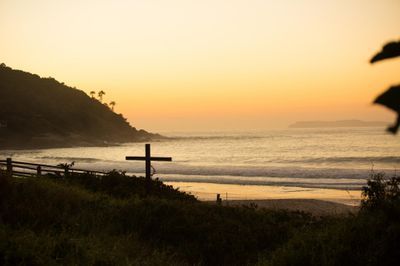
column 229, row 192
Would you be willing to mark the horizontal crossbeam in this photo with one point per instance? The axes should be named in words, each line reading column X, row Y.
column 144, row 158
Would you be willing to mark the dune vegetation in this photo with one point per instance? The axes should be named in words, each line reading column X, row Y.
column 88, row 220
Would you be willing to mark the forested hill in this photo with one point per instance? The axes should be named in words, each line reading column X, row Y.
column 42, row 112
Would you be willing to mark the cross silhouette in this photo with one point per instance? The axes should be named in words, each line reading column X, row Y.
column 147, row 158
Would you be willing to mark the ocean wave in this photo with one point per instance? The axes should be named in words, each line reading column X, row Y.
column 200, row 138
column 235, row 137
column 69, row 159
column 244, row 174
column 246, row 171
column 345, row 159
column 213, row 171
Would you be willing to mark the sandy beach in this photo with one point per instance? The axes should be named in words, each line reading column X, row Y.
column 232, row 192
column 313, row 200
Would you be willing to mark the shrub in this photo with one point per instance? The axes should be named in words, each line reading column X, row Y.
column 119, row 185
column 370, row 237
column 77, row 220
column 381, row 192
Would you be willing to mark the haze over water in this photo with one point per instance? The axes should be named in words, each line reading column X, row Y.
column 308, row 159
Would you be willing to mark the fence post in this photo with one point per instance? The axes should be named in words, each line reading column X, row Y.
column 9, row 167
column 39, row 170
column 219, row 200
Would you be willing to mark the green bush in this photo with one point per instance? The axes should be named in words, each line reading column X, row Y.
column 44, row 221
column 381, row 192
column 117, row 184
column 78, row 219
column 87, row 220
column 370, row 237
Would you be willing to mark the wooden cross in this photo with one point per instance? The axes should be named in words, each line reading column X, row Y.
column 148, row 160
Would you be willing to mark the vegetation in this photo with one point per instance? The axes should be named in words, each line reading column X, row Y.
column 112, row 105
column 87, row 220
column 369, row 238
column 391, row 97
column 101, row 94
column 42, row 112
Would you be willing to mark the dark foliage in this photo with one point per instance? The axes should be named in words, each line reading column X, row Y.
column 391, row 97
column 118, row 185
column 381, row 192
column 83, row 219
column 75, row 222
column 369, row 238
column 389, row 50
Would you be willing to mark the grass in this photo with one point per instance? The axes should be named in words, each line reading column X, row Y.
column 86, row 220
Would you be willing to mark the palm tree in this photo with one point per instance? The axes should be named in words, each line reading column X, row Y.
column 92, row 94
column 100, row 94
column 112, row 104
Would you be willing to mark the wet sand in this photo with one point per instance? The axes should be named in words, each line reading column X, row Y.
column 314, row 200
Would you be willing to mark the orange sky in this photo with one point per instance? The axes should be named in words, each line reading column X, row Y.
column 211, row 65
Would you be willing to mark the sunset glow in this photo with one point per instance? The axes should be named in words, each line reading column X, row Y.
column 201, row 65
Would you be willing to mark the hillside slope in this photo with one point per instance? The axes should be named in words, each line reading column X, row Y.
column 42, row 112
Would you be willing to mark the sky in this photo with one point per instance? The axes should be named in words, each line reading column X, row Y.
column 210, row 65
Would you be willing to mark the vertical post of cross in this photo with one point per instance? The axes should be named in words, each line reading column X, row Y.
column 148, row 162
column 148, row 169
column 147, row 158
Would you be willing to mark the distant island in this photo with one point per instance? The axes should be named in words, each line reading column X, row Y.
column 37, row 112
column 339, row 123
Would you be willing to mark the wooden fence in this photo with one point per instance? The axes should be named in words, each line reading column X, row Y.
column 25, row 169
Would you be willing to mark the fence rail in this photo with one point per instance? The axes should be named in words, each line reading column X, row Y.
column 27, row 169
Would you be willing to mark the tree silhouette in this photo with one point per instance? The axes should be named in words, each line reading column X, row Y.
column 92, row 94
column 391, row 97
column 112, row 104
column 101, row 94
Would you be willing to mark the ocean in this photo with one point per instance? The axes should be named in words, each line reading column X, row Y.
column 302, row 160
